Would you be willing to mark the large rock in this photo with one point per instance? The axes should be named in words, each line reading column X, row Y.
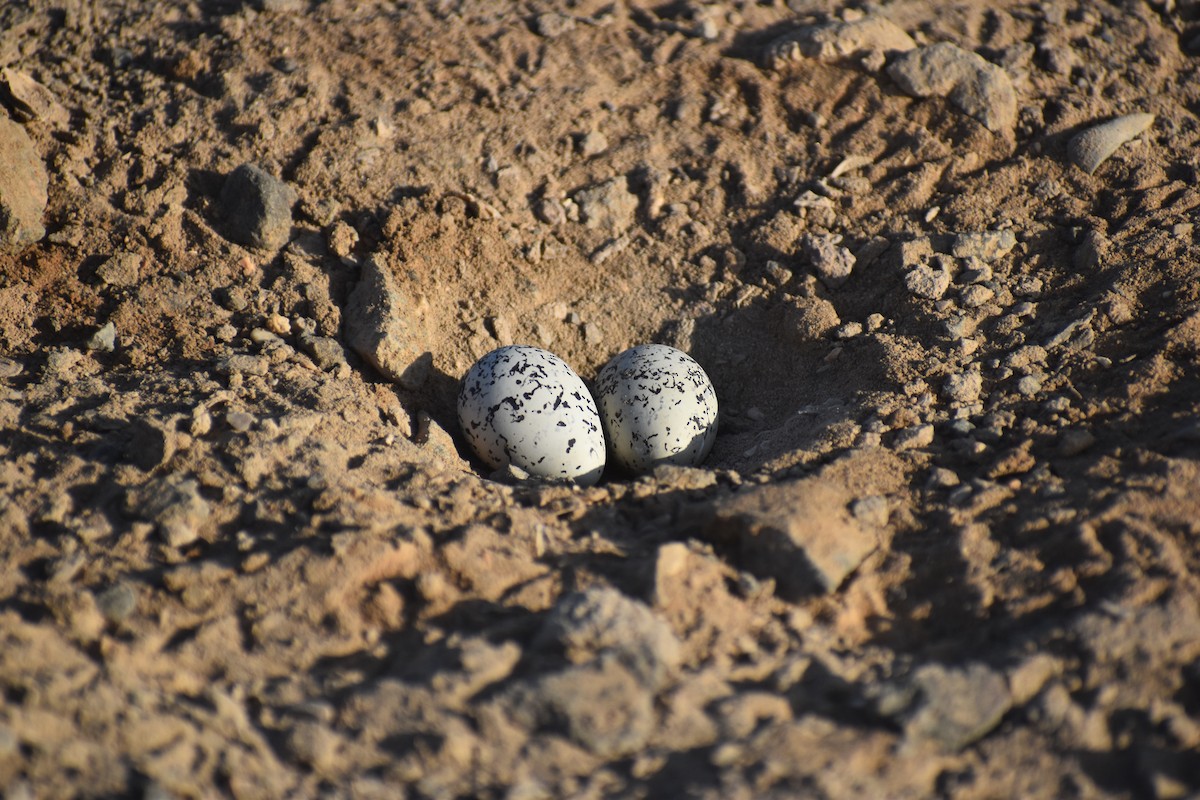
column 23, row 189
column 258, row 208
column 802, row 534
column 378, row 328
column 976, row 86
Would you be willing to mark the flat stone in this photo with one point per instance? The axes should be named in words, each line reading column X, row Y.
column 984, row 245
column 377, row 327
column 977, row 87
column 122, row 269
column 801, row 533
column 258, row 208
column 325, row 351
column 24, row 188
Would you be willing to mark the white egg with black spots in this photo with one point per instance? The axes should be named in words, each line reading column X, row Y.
column 658, row 407
column 524, row 406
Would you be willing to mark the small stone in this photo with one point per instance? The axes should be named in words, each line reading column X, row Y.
column 553, row 24
column 976, row 296
column 952, row 707
column 875, row 322
column 832, row 262
column 805, row 319
column 592, row 143
column 942, row 478
column 871, row 510
column 244, row 364
column 327, row 353
column 1091, row 148
column 378, row 329
column 914, row 438
column 279, row 325
column 104, row 339
column 963, row 387
column 977, row 87
column 550, row 211
column 258, row 208
column 927, row 282
column 10, row 368
column 1029, row 385
column 984, row 245
column 117, row 602
column 175, row 504
column 240, row 421
column 122, row 269
column 608, row 205
column 24, row 188
column 911, row 253
column 848, row 331
column 1075, row 441
column 314, row 744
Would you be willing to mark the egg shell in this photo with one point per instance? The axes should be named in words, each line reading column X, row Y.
column 524, row 406
column 658, row 407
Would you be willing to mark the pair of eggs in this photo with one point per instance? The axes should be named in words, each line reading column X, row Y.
column 525, row 406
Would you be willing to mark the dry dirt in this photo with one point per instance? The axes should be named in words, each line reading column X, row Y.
column 946, row 545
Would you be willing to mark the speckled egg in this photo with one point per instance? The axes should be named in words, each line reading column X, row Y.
column 524, row 406
column 658, row 407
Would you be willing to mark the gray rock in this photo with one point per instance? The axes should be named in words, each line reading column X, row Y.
column 258, row 208
column 832, row 262
column 117, row 602
column 377, row 328
column 24, row 188
column 1091, row 148
column 104, row 339
column 245, row 364
column 984, row 245
column 927, row 282
column 120, row 270
column 977, row 87
column 608, row 205
column 326, row 352
column 604, row 621
column 175, row 505
column 963, row 387
column 914, row 438
column 949, row 706
column 799, row 533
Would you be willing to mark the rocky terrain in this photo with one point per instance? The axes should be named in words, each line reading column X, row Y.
column 939, row 261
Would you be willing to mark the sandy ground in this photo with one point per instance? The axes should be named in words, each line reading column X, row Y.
column 948, row 540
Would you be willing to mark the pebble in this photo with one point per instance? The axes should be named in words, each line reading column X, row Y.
column 174, row 503
column 832, row 262
column 1029, row 385
column 949, row 706
column 963, row 387
column 104, row 339
column 975, row 296
column 258, row 208
column 984, row 245
column 592, row 143
column 117, row 602
column 914, row 438
column 325, row 351
column 240, row 421
column 977, row 87
column 122, row 269
column 608, row 205
column 23, row 188
column 871, row 510
column 927, row 282
column 1091, row 148
column 10, row 368
column 1075, row 441
column 377, row 327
